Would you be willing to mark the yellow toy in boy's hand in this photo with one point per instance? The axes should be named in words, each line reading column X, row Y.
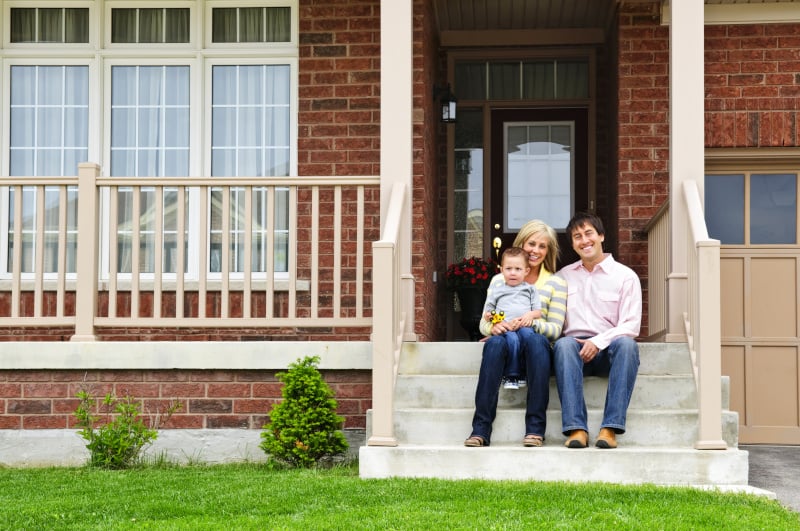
column 498, row 316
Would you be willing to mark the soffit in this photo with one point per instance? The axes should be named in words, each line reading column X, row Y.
column 514, row 22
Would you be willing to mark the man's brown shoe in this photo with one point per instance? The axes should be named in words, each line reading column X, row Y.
column 577, row 439
column 607, row 438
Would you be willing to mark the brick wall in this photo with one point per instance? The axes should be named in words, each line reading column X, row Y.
column 643, row 126
column 213, row 399
column 752, row 80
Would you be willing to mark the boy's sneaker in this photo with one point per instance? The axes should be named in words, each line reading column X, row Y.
column 511, row 383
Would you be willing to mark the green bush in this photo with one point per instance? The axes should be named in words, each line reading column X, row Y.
column 304, row 427
column 116, row 437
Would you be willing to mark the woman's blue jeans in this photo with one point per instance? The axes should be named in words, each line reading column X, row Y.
column 535, row 350
column 620, row 362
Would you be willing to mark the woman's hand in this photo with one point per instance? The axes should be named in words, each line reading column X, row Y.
column 502, row 327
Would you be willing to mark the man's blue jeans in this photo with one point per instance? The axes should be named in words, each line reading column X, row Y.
column 619, row 361
column 535, row 350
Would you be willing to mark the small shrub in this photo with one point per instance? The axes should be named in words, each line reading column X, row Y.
column 116, row 436
column 304, row 428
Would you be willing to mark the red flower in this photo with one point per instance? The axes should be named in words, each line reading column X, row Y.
column 472, row 271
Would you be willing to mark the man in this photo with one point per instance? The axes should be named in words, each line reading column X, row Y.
column 604, row 313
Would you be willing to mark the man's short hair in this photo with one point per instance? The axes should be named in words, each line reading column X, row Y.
column 585, row 218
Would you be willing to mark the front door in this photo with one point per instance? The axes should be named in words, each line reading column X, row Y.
column 539, row 170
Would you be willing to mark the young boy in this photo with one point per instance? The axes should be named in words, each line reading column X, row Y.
column 509, row 301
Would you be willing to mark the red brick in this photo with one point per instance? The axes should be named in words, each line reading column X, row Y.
column 232, row 390
column 41, row 422
column 262, row 406
column 45, row 390
column 210, row 406
column 183, row 390
column 10, row 422
column 227, row 421
column 29, row 407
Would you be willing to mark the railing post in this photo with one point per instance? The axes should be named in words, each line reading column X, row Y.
column 383, row 344
column 86, row 260
column 708, row 346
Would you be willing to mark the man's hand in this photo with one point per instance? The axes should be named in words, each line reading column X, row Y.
column 588, row 350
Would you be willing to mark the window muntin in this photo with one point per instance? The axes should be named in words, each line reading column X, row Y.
column 751, row 208
column 251, row 24
column 150, row 25
column 68, row 25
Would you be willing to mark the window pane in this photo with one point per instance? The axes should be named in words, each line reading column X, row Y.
column 151, row 23
column 144, row 124
column 538, row 81
column 724, row 208
column 76, row 25
column 49, row 119
column 504, row 81
column 539, row 174
column 223, row 21
column 123, row 25
column 572, row 80
column 470, row 81
column 177, row 26
column 251, row 24
column 50, row 25
column 468, row 189
column 279, row 24
column 773, row 208
column 23, row 24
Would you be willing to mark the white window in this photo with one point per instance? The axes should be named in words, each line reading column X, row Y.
column 150, row 25
column 188, row 88
column 251, row 137
column 48, row 136
column 68, row 25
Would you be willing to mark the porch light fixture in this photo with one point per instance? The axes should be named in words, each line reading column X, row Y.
column 447, row 103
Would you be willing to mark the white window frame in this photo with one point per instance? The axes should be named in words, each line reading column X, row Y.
column 6, row 28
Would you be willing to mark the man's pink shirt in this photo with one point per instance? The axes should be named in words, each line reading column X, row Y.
column 604, row 303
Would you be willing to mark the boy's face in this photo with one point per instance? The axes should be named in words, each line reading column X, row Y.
column 515, row 269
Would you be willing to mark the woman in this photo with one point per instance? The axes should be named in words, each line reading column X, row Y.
column 539, row 240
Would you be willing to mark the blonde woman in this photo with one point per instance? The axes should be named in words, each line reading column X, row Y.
column 539, row 241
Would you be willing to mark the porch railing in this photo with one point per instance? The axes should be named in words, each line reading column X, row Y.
column 657, row 272
column 257, row 252
column 391, row 288
column 703, row 323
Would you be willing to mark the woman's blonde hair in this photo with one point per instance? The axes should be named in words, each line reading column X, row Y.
column 536, row 227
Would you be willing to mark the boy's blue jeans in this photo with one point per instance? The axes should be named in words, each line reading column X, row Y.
column 620, row 362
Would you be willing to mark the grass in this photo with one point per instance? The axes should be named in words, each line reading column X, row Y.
column 253, row 496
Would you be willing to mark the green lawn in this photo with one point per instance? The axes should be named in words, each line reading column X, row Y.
column 252, row 496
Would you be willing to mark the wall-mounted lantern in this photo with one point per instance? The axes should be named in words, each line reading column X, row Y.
column 447, row 103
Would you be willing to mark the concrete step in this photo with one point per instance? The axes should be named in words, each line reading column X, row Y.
column 465, row 358
column 458, row 391
column 646, row 427
column 631, row 465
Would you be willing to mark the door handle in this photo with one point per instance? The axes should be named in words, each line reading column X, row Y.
column 496, row 243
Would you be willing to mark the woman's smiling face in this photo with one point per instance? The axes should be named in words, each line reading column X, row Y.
column 536, row 247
